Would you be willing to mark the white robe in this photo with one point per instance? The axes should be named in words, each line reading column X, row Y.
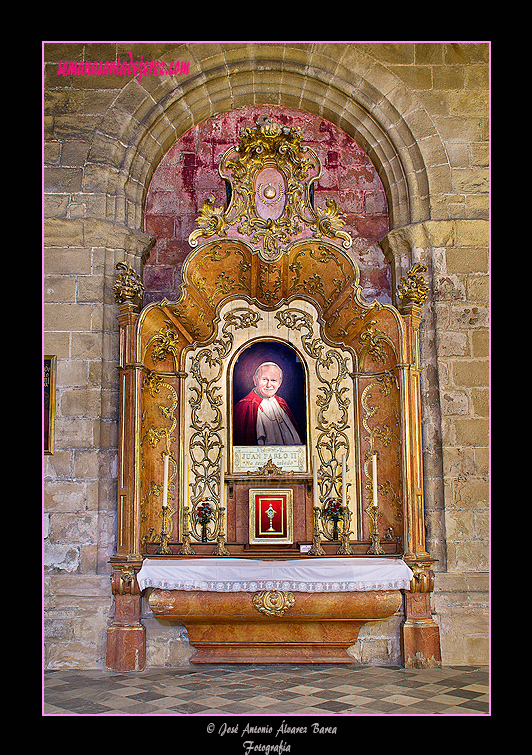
column 274, row 426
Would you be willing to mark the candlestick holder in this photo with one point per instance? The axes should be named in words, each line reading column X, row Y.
column 186, row 548
column 164, row 548
column 345, row 549
column 220, row 549
column 375, row 549
column 316, row 549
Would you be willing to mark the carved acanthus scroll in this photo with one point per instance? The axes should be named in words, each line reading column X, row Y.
column 207, row 423
column 273, row 602
column 159, row 423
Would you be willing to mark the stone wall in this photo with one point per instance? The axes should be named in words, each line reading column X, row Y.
column 420, row 113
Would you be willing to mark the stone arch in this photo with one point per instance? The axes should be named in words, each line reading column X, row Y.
column 337, row 82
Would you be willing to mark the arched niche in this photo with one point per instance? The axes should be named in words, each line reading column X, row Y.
column 363, row 98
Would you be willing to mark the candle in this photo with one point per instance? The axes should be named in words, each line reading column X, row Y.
column 185, row 482
column 165, row 482
column 315, row 481
column 344, row 490
column 222, row 480
column 374, row 464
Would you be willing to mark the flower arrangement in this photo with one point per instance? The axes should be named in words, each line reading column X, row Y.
column 204, row 512
column 333, row 509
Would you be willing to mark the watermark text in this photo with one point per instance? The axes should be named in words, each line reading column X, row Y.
column 127, row 67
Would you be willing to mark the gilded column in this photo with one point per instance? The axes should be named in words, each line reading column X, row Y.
column 412, row 441
column 126, row 640
column 420, row 636
column 131, row 374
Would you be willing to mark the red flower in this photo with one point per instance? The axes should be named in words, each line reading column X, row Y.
column 204, row 513
column 333, row 509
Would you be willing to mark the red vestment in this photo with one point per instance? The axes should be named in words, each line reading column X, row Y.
column 245, row 418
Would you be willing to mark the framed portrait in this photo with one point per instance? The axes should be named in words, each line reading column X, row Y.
column 49, row 403
column 270, row 516
column 269, row 396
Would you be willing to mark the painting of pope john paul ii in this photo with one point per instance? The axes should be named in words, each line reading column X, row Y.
column 269, row 397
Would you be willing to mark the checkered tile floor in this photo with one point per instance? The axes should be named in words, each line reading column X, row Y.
column 269, row 690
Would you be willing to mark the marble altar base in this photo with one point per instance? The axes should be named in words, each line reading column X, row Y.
column 317, row 628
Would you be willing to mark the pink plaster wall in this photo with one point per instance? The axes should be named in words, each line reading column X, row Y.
column 188, row 174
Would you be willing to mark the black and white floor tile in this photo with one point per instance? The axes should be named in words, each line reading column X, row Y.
column 269, row 690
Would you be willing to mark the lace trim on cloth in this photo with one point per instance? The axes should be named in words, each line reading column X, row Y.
column 244, row 575
column 278, row 585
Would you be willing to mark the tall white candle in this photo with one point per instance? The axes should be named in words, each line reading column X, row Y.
column 374, row 464
column 222, row 480
column 185, row 482
column 315, row 481
column 344, row 490
column 165, row 481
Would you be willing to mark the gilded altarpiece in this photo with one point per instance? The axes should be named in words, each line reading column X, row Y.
column 276, row 271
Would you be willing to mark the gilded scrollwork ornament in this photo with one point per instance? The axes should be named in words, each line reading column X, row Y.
column 268, row 470
column 206, row 423
column 211, row 221
column 330, row 223
column 332, row 422
column 377, row 399
column 273, row 211
column 165, row 341
column 157, row 440
column 373, row 342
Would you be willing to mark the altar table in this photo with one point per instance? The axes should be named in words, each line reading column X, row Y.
column 303, row 611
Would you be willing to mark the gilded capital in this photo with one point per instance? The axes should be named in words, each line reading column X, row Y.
column 413, row 288
column 128, row 287
column 123, row 580
column 422, row 579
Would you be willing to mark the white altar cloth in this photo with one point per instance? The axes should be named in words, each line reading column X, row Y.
column 250, row 575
